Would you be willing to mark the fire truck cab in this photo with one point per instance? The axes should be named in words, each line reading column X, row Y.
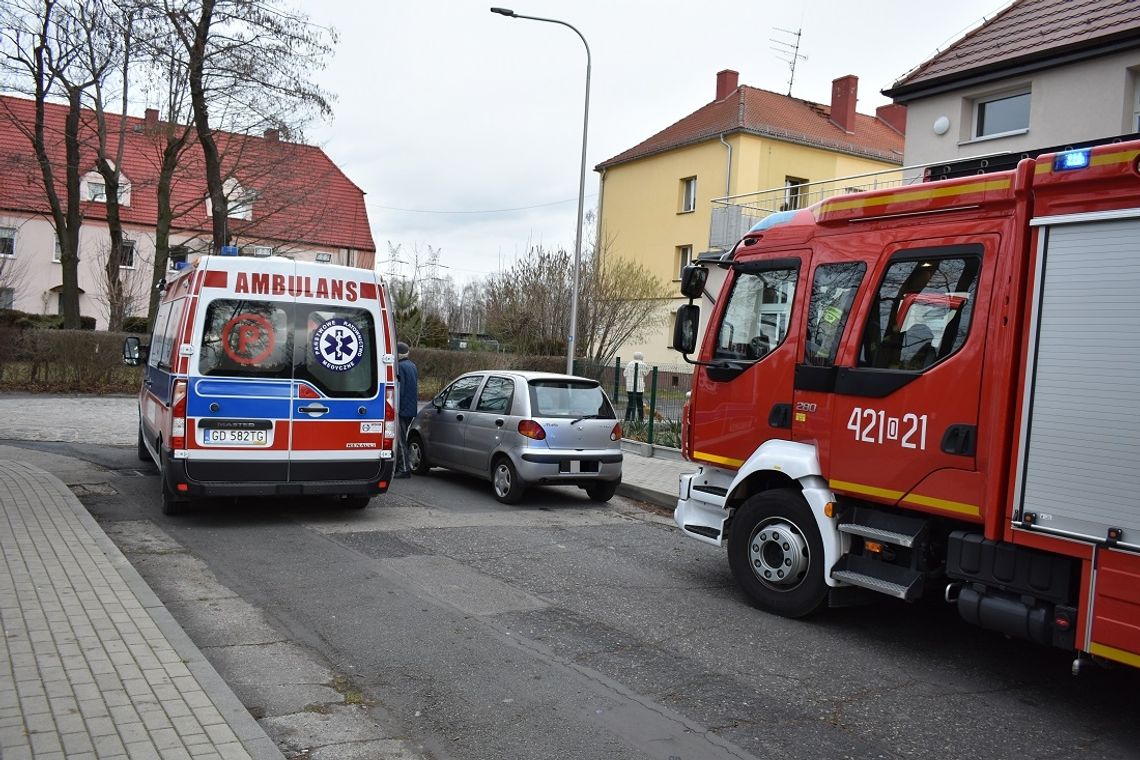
column 932, row 389
column 269, row 377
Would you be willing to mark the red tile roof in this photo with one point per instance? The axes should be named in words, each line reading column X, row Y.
column 768, row 114
column 302, row 197
column 1029, row 33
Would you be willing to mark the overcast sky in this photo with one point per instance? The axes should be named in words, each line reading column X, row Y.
column 464, row 127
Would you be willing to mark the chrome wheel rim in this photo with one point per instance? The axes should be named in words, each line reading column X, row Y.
column 502, row 479
column 778, row 554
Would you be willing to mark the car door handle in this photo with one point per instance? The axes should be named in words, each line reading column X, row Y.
column 313, row 410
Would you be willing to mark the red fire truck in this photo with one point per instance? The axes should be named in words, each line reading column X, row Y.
column 932, row 389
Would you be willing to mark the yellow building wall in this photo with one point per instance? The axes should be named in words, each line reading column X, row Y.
column 640, row 217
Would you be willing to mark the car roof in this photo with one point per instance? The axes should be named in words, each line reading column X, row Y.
column 528, row 375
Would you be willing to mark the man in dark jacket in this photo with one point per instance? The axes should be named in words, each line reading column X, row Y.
column 407, row 384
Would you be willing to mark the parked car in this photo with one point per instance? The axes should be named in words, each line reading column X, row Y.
column 519, row 429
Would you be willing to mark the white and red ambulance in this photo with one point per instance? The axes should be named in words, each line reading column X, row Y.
column 269, row 377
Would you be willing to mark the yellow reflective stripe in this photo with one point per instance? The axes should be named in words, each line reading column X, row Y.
column 1112, row 653
column 842, row 485
column 946, row 504
column 916, row 499
column 717, row 460
column 908, row 196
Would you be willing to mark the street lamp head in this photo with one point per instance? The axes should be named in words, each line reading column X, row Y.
column 503, row 12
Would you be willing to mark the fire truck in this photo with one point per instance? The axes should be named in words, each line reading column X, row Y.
column 932, row 389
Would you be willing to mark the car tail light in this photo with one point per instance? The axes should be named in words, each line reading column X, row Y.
column 532, row 429
column 178, row 416
column 615, row 434
column 391, row 424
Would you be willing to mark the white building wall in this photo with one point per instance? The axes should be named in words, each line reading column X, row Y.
column 1079, row 101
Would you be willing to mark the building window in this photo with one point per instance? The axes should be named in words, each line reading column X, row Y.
column 127, row 255
column 688, row 194
column 684, row 257
column 7, row 298
column 96, row 191
column 57, row 251
column 7, row 241
column 794, row 195
column 1001, row 114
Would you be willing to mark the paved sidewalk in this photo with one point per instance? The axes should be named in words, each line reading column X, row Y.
column 92, row 666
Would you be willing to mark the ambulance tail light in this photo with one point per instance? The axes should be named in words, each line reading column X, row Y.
column 391, row 424
column 178, row 416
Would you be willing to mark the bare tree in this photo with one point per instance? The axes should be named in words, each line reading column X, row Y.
column 247, row 61
column 43, row 56
column 13, row 276
column 528, row 305
column 126, row 292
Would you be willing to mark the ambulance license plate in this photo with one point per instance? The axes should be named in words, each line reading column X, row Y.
column 216, row 437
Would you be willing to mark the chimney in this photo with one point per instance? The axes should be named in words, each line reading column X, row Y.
column 844, row 93
column 272, row 135
column 151, row 119
column 894, row 116
column 726, row 83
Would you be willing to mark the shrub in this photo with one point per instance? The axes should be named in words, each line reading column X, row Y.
column 136, row 325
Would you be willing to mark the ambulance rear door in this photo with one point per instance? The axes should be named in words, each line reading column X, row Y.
column 342, row 372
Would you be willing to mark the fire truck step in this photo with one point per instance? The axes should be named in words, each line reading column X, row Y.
column 892, row 580
column 900, row 530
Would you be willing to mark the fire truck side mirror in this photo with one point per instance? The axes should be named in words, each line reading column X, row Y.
column 693, row 280
column 685, row 328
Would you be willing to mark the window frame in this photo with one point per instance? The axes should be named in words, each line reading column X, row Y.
column 793, row 193
column 499, row 381
column 132, row 246
column 688, row 195
column 682, row 257
column 783, row 311
column 977, row 117
column 4, row 236
column 7, row 298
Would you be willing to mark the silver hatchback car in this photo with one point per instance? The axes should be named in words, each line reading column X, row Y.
column 519, row 429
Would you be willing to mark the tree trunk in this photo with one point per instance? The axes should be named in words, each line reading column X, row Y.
column 219, row 206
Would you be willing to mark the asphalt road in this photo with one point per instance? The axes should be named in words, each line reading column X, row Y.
column 463, row 628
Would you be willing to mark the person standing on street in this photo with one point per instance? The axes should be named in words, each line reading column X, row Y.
column 407, row 385
column 635, row 373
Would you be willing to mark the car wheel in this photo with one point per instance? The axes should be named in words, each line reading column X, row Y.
column 505, row 480
column 603, row 490
column 776, row 554
column 417, row 457
column 144, row 453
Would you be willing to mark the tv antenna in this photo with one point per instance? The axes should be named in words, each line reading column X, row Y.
column 789, row 52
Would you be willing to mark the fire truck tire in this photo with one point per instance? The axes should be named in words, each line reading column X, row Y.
column 776, row 554
column 417, row 457
column 144, row 454
column 505, row 481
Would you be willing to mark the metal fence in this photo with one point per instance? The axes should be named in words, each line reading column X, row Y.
column 666, row 389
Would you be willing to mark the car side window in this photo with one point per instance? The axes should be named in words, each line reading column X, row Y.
column 461, row 393
column 496, row 395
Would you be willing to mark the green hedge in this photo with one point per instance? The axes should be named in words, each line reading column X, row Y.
column 65, row 361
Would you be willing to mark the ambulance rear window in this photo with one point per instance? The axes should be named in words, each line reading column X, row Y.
column 243, row 338
column 336, row 350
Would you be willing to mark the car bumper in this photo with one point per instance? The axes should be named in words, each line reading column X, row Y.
column 571, row 467
column 207, row 481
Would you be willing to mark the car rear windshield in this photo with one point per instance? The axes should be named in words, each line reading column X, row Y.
column 569, row 398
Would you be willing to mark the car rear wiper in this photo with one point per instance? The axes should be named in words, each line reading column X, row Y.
column 586, row 417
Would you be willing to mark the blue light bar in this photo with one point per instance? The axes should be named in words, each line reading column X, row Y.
column 1072, row 159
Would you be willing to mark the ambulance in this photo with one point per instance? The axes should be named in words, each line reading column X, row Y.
column 269, row 377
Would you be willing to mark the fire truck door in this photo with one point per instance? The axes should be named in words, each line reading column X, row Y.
column 746, row 394
column 900, row 406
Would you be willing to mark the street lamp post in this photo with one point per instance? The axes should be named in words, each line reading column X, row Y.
column 581, row 184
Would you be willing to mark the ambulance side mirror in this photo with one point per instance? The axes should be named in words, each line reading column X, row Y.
column 693, row 280
column 685, row 328
column 134, row 352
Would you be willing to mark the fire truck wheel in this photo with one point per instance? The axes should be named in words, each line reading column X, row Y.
column 505, row 480
column 417, row 457
column 776, row 554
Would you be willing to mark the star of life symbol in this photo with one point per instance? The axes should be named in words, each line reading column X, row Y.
column 338, row 345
